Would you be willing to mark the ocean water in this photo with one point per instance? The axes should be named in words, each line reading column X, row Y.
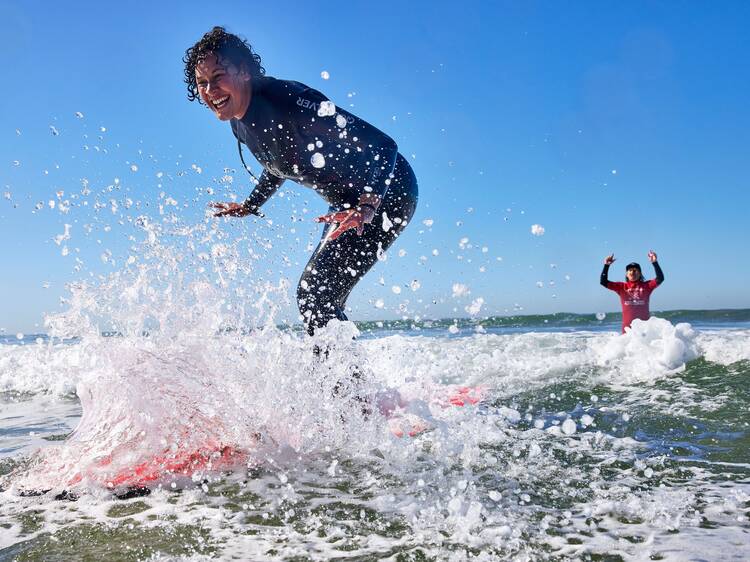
column 198, row 442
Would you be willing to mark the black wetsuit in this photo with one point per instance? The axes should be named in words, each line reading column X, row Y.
column 296, row 133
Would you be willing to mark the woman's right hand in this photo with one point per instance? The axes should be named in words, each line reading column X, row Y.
column 348, row 219
column 609, row 260
column 230, row 209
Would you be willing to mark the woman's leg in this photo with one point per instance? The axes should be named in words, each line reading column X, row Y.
column 337, row 265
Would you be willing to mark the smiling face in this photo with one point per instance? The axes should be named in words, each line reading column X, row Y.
column 633, row 274
column 223, row 87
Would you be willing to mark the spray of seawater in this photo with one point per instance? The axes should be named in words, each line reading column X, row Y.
column 187, row 374
column 189, row 388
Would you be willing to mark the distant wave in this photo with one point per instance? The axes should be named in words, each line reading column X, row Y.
column 561, row 320
column 611, row 320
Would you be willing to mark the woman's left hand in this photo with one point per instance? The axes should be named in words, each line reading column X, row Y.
column 348, row 219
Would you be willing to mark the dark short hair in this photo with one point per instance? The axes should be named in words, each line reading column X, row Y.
column 228, row 48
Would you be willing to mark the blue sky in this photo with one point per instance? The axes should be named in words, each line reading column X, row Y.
column 618, row 127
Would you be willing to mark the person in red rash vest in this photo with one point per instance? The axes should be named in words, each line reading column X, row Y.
column 634, row 292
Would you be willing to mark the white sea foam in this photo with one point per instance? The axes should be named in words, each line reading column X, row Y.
column 725, row 346
column 651, row 351
column 42, row 368
column 648, row 347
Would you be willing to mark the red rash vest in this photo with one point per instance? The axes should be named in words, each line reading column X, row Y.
column 634, row 297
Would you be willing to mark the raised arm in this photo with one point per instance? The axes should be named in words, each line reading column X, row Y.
column 603, row 278
column 657, row 267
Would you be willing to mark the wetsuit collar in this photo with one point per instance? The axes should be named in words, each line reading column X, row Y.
column 256, row 87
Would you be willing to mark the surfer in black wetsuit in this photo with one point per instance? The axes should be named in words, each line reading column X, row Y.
column 296, row 133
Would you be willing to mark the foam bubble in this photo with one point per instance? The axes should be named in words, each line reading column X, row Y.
column 326, row 109
column 460, row 290
column 568, row 427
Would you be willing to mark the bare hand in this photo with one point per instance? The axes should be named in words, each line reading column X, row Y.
column 348, row 219
column 609, row 260
column 229, row 209
column 652, row 256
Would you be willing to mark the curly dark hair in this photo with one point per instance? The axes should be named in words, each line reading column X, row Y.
column 228, row 48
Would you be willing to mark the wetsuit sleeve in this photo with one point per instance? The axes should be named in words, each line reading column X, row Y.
column 607, row 284
column 357, row 145
column 267, row 186
column 659, row 273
